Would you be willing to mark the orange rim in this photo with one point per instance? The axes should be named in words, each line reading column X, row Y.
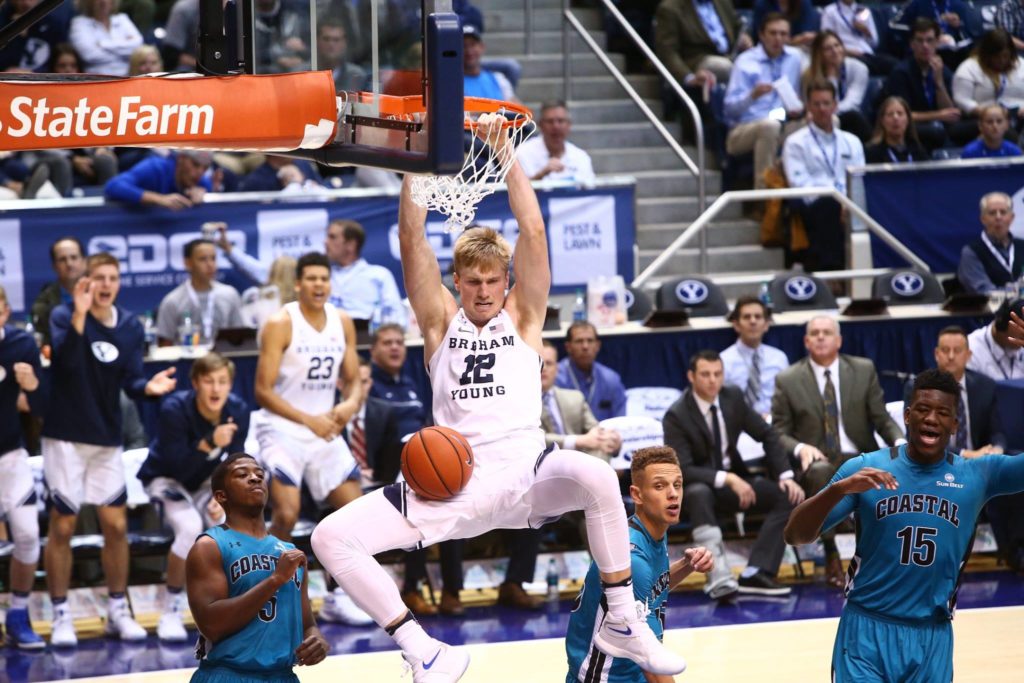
column 404, row 107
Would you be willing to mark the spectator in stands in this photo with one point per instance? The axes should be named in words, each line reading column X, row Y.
column 145, row 59
column 359, row 288
column 995, row 257
column 979, row 431
column 827, row 407
column 392, row 384
column 198, row 427
column 177, row 181
column 200, row 303
column 750, row 364
column 104, row 37
column 67, row 258
column 331, row 51
column 994, row 74
column 20, row 370
column 281, row 36
column 606, row 395
column 951, row 17
column 1010, row 16
column 64, row 59
column 803, row 19
column 32, row 49
column 925, row 83
column 855, row 26
column 180, row 44
column 264, row 178
column 992, row 352
column 551, row 155
column 753, row 108
column 703, row 427
column 993, row 122
column 697, row 39
column 97, row 351
column 373, row 435
column 849, row 76
column 819, row 156
column 894, row 140
column 133, row 432
column 478, row 81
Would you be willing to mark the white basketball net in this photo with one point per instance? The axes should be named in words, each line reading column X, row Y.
column 487, row 164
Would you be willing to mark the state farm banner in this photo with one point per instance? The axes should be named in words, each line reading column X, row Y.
column 269, row 112
column 150, row 243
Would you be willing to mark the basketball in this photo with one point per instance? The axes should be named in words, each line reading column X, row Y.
column 437, row 462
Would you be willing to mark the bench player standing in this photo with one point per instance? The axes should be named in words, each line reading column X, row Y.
column 97, row 351
column 304, row 349
column 484, row 365
column 19, row 372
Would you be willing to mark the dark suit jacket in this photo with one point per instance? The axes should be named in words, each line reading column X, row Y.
column 383, row 442
column 798, row 410
column 687, row 432
column 981, row 409
column 681, row 39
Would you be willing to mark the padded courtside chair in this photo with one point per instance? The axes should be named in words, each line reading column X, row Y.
column 698, row 296
column 794, row 291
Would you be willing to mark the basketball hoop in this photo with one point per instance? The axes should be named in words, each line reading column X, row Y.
column 488, row 159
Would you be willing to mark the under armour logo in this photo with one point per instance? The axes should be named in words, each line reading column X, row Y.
column 949, row 477
column 105, row 352
column 691, row 292
column 800, row 288
column 907, row 283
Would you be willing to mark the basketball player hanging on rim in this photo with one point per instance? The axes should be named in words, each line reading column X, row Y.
column 305, row 348
column 484, row 365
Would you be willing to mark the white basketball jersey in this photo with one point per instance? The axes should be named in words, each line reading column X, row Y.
column 308, row 376
column 486, row 383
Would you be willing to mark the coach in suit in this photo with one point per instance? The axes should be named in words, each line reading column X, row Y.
column 695, row 38
column 703, row 427
column 827, row 408
column 566, row 417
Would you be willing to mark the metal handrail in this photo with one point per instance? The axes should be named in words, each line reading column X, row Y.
column 528, row 27
column 727, row 198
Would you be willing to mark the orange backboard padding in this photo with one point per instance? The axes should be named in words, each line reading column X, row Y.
column 404, row 106
column 273, row 112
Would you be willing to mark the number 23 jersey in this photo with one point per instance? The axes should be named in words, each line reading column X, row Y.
column 913, row 542
column 486, row 383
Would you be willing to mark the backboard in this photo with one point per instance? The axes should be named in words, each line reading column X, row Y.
column 375, row 50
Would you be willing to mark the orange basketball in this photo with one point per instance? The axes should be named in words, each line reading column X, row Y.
column 437, row 462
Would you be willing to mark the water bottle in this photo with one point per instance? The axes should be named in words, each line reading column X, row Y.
column 1010, row 291
column 579, row 309
column 187, row 332
column 765, row 295
column 552, row 580
column 149, row 331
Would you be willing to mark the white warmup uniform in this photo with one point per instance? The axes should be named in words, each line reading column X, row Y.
column 307, row 379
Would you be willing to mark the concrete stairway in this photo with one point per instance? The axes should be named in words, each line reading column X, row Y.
column 621, row 141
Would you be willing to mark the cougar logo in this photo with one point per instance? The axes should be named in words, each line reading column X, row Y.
column 105, row 352
column 801, row 288
column 907, row 283
column 692, row 292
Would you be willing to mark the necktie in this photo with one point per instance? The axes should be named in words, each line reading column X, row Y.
column 716, row 437
column 552, row 408
column 831, row 417
column 752, row 394
column 961, row 416
column 357, row 443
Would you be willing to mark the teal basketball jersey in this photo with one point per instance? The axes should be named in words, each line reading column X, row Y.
column 267, row 643
column 913, row 542
column 649, row 562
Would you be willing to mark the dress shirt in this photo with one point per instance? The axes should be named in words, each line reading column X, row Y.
column 738, row 360
column 713, row 25
column 967, row 412
column 603, row 388
column 533, row 155
column 846, row 445
column 551, row 403
column 360, row 289
column 812, row 157
column 752, row 67
column 839, row 18
column 973, row 274
column 989, row 358
column 105, row 50
column 705, row 410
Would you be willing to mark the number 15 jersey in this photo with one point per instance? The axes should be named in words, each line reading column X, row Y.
column 913, row 542
column 486, row 383
column 308, row 376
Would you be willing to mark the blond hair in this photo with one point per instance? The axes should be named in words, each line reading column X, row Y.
column 139, row 54
column 3, row 298
column 102, row 258
column 282, row 274
column 481, row 247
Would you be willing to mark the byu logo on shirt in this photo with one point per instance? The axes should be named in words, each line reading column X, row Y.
column 3, row 373
column 691, row 292
column 105, row 352
column 907, row 283
column 801, row 288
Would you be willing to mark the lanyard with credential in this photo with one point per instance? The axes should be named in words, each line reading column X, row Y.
column 1007, row 264
column 992, row 353
column 207, row 315
column 829, row 164
column 576, row 383
column 939, row 11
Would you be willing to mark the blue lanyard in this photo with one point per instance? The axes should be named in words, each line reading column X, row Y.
column 842, row 80
column 853, row 15
column 929, row 87
column 1002, row 86
column 775, row 66
column 939, row 13
column 896, row 159
column 824, row 154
